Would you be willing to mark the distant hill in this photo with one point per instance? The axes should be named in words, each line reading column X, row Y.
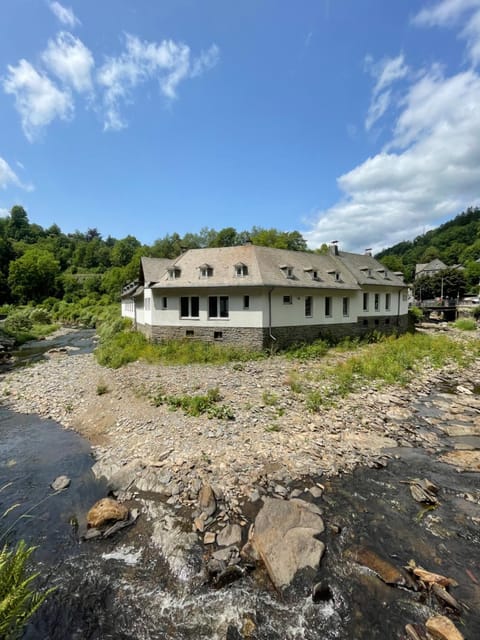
column 454, row 242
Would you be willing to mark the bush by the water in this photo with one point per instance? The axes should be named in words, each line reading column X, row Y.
column 28, row 323
column 466, row 324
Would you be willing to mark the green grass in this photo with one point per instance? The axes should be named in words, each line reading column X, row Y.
column 390, row 361
column 304, row 351
column 102, row 388
column 123, row 346
column 270, row 398
column 197, row 405
column 465, row 324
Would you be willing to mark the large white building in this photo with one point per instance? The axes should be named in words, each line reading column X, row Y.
column 260, row 296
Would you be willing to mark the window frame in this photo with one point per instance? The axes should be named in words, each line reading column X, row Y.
column 328, row 306
column 366, row 301
column 376, row 302
column 346, row 306
column 221, row 307
column 192, row 304
column 287, row 299
column 309, row 306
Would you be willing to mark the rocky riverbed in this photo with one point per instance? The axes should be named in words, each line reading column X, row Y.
column 272, row 439
column 214, row 471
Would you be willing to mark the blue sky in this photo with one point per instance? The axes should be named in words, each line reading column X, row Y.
column 349, row 120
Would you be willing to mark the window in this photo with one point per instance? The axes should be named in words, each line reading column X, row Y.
column 315, row 275
column 377, row 302
column 174, row 273
column 337, row 276
column 387, row 302
column 346, row 306
column 189, row 307
column 308, row 306
column 147, row 304
column 328, row 307
column 189, row 333
column 206, row 271
column 164, row 303
column 241, row 270
column 287, row 270
column 218, row 307
column 287, row 299
column 217, row 335
column 365, row 301
column 246, row 302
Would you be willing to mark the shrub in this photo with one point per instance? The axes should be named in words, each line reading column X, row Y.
column 310, row 351
column 416, row 314
column 40, row 315
column 18, row 321
column 18, row 600
column 197, row 405
column 465, row 324
column 476, row 312
column 102, row 388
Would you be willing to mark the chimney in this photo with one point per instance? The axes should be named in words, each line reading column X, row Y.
column 368, row 252
column 334, row 247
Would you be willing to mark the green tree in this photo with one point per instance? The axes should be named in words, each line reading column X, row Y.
column 18, row 225
column 33, row 275
column 123, row 251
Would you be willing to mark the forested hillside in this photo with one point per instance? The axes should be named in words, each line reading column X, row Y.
column 48, row 266
column 457, row 242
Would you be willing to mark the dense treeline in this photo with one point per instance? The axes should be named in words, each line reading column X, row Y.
column 457, row 242
column 45, row 265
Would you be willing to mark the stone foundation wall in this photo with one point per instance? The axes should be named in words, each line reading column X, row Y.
column 286, row 336
column 259, row 338
column 252, row 338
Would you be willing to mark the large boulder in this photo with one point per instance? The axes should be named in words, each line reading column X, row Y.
column 106, row 511
column 284, row 538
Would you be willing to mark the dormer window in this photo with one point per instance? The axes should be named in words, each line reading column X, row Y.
column 313, row 273
column 367, row 271
column 206, row 271
column 241, row 270
column 337, row 276
column 174, row 273
column 287, row 270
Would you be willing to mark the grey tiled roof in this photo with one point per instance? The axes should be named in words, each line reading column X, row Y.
column 154, row 268
column 270, row 267
column 367, row 270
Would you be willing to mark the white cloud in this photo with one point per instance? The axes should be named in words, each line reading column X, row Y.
column 64, row 14
column 386, row 73
column 37, row 99
column 205, row 61
column 444, row 12
column 8, row 177
column 71, row 61
column 448, row 13
column 429, row 170
column 169, row 62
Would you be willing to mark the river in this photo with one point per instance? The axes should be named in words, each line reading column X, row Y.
column 125, row 587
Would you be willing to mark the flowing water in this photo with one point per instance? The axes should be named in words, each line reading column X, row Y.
column 144, row 583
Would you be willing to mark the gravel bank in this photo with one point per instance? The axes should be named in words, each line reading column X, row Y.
column 272, row 440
